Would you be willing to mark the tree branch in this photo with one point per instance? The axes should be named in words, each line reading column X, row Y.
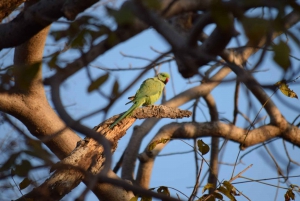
column 159, row 111
column 29, row 22
column 6, row 7
column 188, row 64
column 88, row 157
column 193, row 130
column 28, row 95
column 42, row 14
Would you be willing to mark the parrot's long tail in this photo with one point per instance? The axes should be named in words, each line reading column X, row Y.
column 127, row 113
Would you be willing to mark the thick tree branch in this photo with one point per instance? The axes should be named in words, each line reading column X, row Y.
column 28, row 95
column 29, row 22
column 188, row 64
column 6, row 7
column 77, row 126
column 192, row 130
column 88, row 155
column 38, row 16
column 159, row 111
column 43, row 13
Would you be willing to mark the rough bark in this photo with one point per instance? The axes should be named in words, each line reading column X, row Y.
column 45, row 12
column 38, row 16
column 88, row 157
column 27, row 100
column 7, row 7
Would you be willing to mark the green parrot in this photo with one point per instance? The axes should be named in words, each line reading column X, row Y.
column 148, row 93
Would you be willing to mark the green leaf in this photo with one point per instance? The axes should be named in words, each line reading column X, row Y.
column 37, row 150
column 153, row 144
column 227, row 189
column 164, row 190
column 208, row 186
column 135, row 198
column 115, row 89
column 23, row 168
column 282, row 55
column 57, row 35
column 255, row 28
column 228, row 185
column 202, row 147
column 123, row 16
column 218, row 195
column 207, row 197
column 284, row 88
column 145, row 198
column 25, row 183
column 112, row 39
column 103, row 30
column 221, row 16
column 10, row 162
column 52, row 62
column 79, row 40
column 226, row 192
column 97, row 83
column 152, row 4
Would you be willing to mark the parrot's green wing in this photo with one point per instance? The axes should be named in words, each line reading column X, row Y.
column 148, row 93
column 151, row 87
column 150, row 90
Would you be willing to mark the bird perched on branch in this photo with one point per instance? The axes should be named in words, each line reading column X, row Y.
column 148, row 93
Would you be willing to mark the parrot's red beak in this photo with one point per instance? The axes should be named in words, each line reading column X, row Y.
column 167, row 80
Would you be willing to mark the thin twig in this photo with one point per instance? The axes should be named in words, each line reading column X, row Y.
column 258, row 181
column 266, row 179
column 135, row 57
column 195, row 190
column 239, row 174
